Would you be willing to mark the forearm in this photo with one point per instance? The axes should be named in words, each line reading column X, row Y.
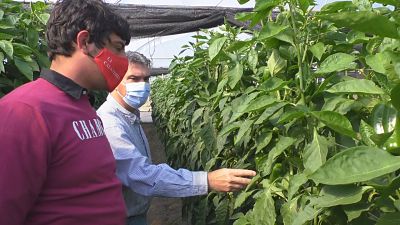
column 162, row 180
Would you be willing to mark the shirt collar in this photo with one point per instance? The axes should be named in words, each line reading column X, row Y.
column 64, row 83
column 129, row 114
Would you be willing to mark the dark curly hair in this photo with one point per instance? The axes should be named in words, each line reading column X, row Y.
column 69, row 17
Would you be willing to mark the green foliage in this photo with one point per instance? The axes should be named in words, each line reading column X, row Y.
column 310, row 102
column 22, row 44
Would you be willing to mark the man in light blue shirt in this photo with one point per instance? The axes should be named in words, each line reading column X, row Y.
column 140, row 177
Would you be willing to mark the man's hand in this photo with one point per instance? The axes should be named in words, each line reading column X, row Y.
column 225, row 180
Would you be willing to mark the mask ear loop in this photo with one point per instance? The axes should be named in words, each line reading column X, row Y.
column 118, row 92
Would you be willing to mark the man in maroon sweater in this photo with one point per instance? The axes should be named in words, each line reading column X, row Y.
column 56, row 165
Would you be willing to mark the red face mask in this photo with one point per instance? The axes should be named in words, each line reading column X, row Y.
column 112, row 66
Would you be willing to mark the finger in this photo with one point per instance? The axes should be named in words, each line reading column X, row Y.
column 235, row 187
column 240, row 180
column 243, row 172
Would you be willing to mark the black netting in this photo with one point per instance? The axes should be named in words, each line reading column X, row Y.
column 151, row 21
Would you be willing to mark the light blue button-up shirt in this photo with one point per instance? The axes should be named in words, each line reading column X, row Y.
column 140, row 177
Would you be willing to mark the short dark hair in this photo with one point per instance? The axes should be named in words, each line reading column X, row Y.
column 69, row 17
column 138, row 58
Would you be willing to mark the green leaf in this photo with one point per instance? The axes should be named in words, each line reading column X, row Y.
column 306, row 214
column 294, row 184
column 286, row 35
column 364, row 21
column 2, row 62
column 24, row 68
column 356, row 37
column 245, row 126
column 1, row 14
column 336, row 62
column 356, row 86
column 240, row 104
column 280, row 147
column 339, row 195
column 380, row 139
column 270, row 111
column 5, row 82
column 396, row 203
column 395, row 96
column 338, row 5
column 354, row 211
column 388, row 2
column 388, row 189
column 241, row 198
column 273, row 84
column 197, row 114
column 6, row 25
column 221, row 212
column 265, row 6
column 32, row 38
column 356, row 164
column 373, row 45
column 21, row 50
column 318, row 50
column 4, row 36
column 289, row 210
column 7, row 48
column 230, row 127
column 264, row 210
column 43, row 18
column 389, row 219
column 215, row 47
column 377, row 62
column 276, row 63
column 260, row 103
column 241, row 221
column 271, row 29
column 363, row 5
column 42, row 59
column 335, row 121
column 315, row 153
column 338, row 104
column 209, row 135
column 304, row 4
column 366, row 131
column 12, row 19
column 290, row 116
column 263, row 140
column 234, row 75
column 252, row 59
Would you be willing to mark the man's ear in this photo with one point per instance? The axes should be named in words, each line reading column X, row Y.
column 82, row 41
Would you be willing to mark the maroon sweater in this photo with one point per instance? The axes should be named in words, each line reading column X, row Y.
column 56, row 165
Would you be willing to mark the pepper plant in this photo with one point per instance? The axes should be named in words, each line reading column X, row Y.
column 22, row 44
column 310, row 101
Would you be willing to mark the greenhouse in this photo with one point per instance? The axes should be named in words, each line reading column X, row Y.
column 231, row 112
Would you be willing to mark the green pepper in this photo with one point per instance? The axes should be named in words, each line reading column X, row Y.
column 383, row 118
column 277, row 171
column 392, row 144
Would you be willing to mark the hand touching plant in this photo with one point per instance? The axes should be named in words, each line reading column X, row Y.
column 225, row 180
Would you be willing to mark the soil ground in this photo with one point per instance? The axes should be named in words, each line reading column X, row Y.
column 163, row 211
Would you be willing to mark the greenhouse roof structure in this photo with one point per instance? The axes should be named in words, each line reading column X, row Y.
column 151, row 21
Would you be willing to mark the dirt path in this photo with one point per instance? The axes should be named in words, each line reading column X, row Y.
column 163, row 211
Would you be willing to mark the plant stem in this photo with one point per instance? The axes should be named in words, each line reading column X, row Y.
column 298, row 50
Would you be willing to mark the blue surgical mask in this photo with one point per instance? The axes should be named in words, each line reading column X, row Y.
column 136, row 93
